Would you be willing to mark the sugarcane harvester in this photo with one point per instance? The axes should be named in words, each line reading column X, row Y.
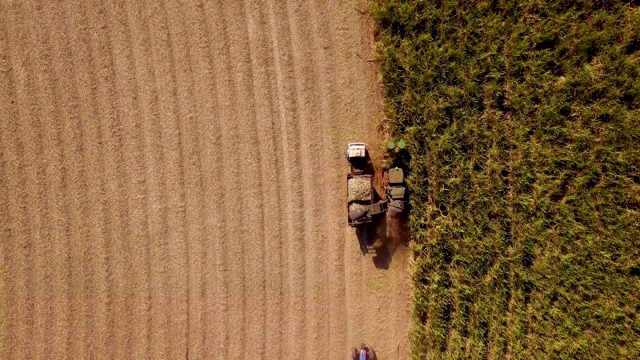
column 396, row 191
column 361, row 208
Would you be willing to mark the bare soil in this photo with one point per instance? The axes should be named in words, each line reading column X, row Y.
column 172, row 183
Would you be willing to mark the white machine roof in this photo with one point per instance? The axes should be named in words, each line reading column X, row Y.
column 356, row 150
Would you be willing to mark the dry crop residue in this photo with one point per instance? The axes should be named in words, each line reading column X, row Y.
column 173, row 183
column 359, row 188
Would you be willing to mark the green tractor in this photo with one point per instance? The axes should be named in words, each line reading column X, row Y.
column 363, row 353
column 396, row 191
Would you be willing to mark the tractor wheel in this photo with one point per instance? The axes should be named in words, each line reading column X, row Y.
column 354, row 353
column 371, row 355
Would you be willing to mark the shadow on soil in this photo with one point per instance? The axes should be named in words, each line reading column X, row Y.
column 382, row 239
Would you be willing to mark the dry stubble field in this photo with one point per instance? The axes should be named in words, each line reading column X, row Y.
column 172, row 183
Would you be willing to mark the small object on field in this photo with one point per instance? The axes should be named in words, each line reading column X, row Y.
column 396, row 147
column 364, row 353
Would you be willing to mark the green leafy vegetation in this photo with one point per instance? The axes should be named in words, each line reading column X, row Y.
column 523, row 121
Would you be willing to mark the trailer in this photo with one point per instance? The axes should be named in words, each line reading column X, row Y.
column 361, row 208
column 360, row 204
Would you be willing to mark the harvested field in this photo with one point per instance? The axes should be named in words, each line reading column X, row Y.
column 173, row 183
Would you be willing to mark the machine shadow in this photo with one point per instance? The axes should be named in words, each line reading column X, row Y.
column 393, row 233
column 383, row 238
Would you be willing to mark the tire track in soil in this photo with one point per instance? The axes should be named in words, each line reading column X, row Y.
column 99, row 305
column 233, row 273
column 347, row 105
column 336, row 25
column 15, row 231
column 5, row 227
column 28, row 248
column 204, row 98
column 252, row 217
column 250, row 316
column 304, row 63
column 71, row 145
column 158, row 298
column 180, row 249
column 334, row 261
column 159, row 295
column 134, row 173
column 352, row 129
column 295, row 235
column 7, row 111
column 93, row 309
column 213, row 286
column 174, row 221
column 50, row 93
column 220, row 333
column 101, row 184
column 117, row 219
column 192, row 173
column 272, row 192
